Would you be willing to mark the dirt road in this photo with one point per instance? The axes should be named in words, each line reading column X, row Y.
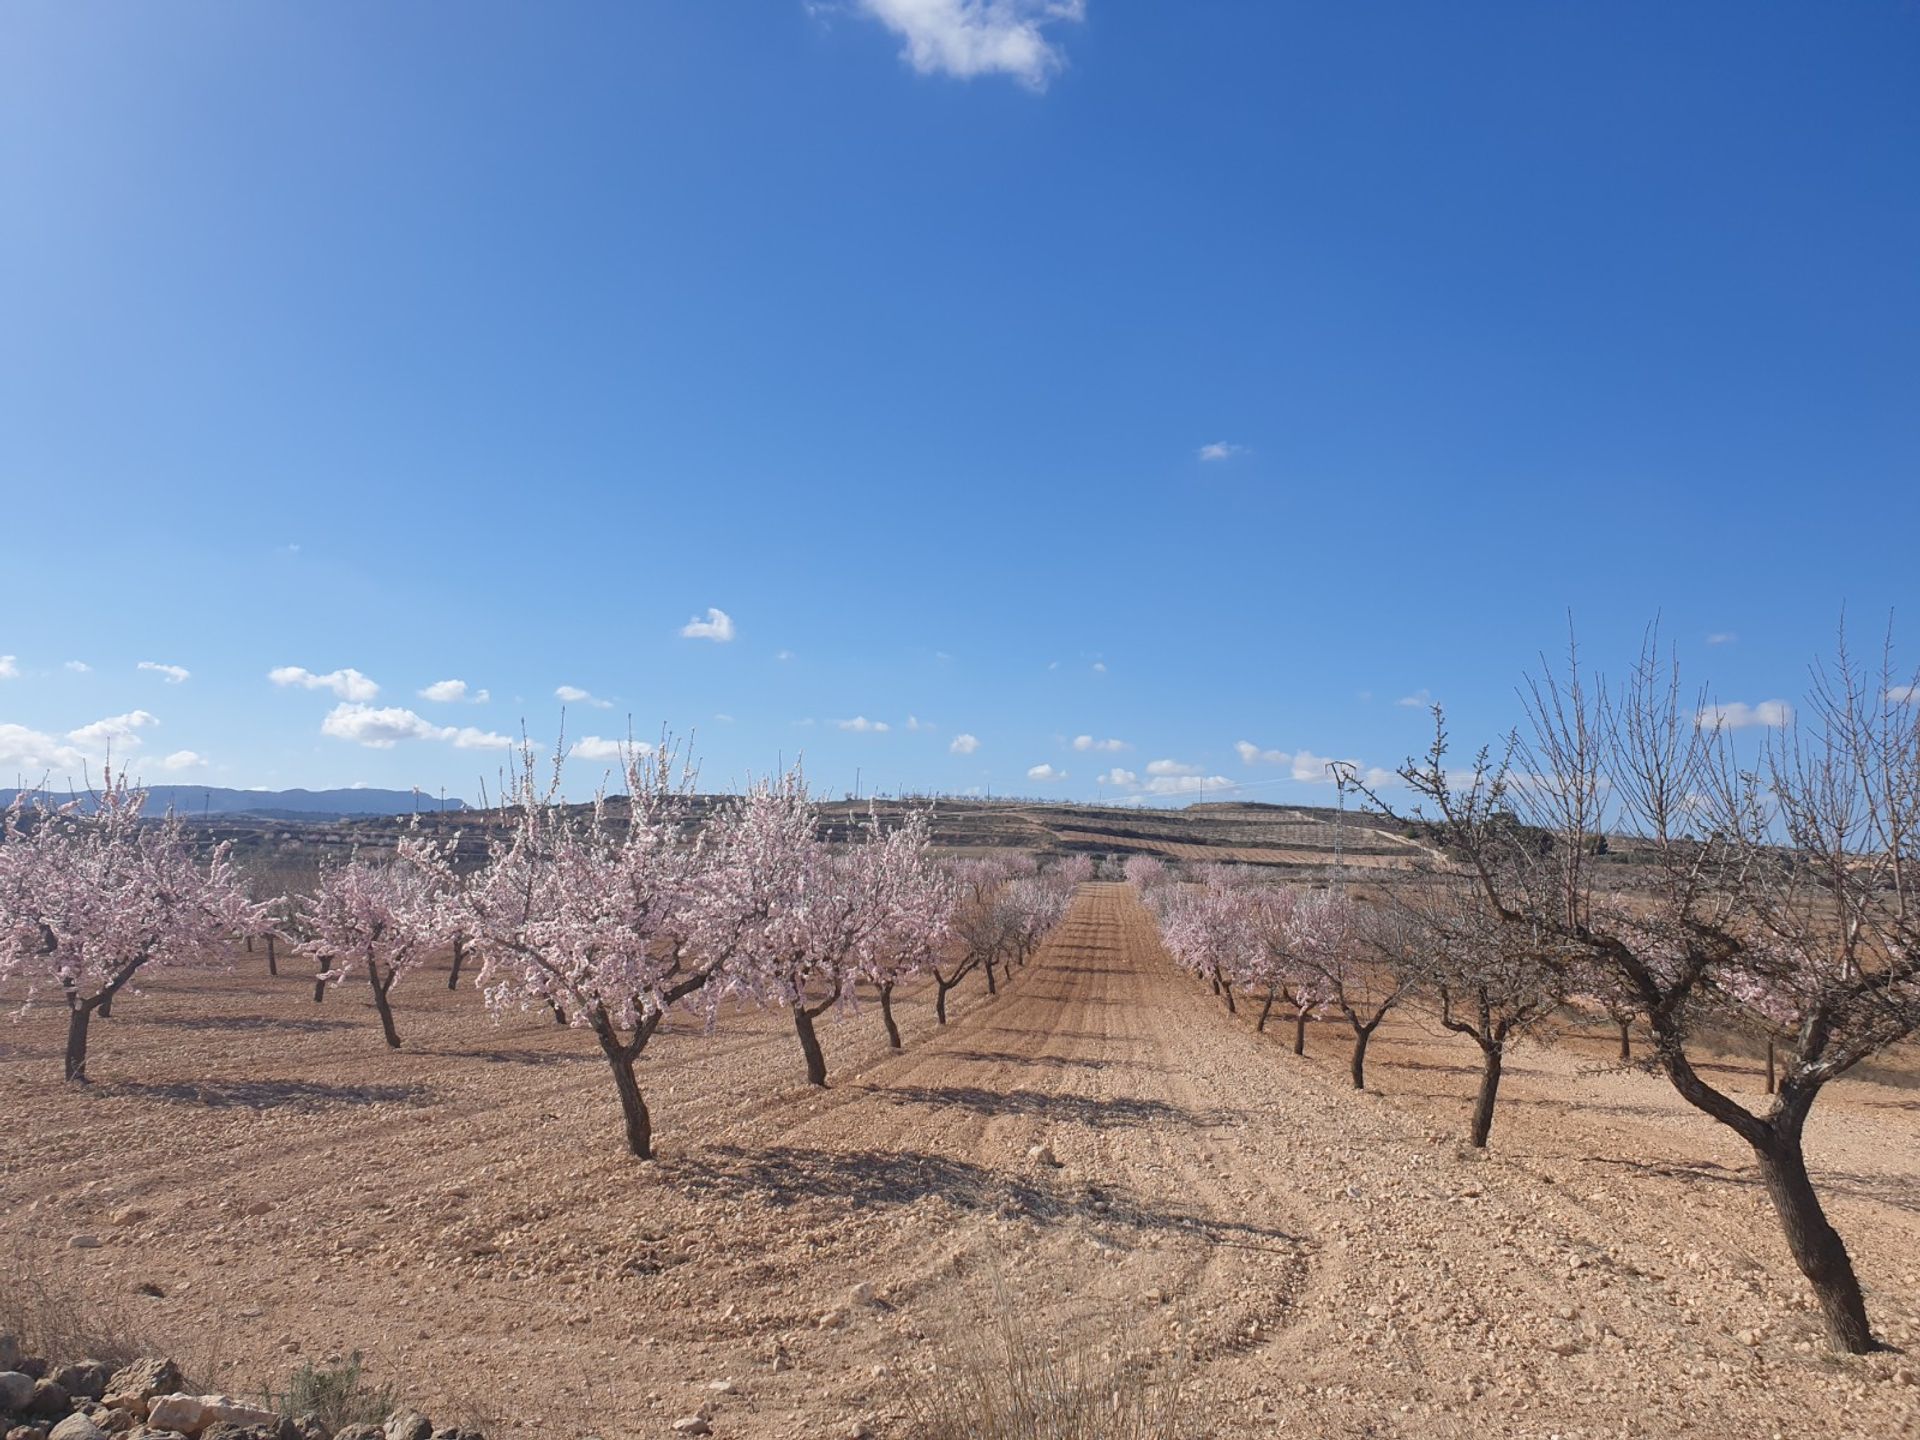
column 1328, row 1264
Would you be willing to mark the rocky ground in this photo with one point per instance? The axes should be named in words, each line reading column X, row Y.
column 1098, row 1158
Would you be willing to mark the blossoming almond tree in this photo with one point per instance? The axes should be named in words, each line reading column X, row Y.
column 913, row 902
column 606, row 924
column 381, row 919
column 91, row 896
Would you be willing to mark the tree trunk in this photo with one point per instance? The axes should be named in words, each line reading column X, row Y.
column 386, row 1010
column 1214, row 977
column 249, row 944
column 106, row 1006
column 1773, row 1083
column 1359, row 1063
column 459, row 954
column 810, row 1047
column 1816, row 1246
column 77, row 1019
column 1265, row 1011
column 1300, row 1033
column 886, row 1016
column 320, row 986
column 1626, row 1043
column 940, row 988
column 992, row 989
column 1226, row 989
column 273, row 960
column 633, row 1106
column 1489, row 1090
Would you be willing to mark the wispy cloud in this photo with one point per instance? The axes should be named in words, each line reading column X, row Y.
column 861, row 725
column 1904, row 694
column 78, row 667
column 118, row 731
column 347, row 684
column 384, row 728
column 1722, row 637
column 967, row 38
column 1312, row 769
column 914, row 722
column 33, row 755
column 182, row 760
column 1221, row 450
column 1164, row 777
column 596, row 747
column 1087, row 742
column 1045, row 772
column 1738, row 715
column 1420, row 699
column 574, row 695
column 718, row 626
column 9, row 667
column 447, row 692
column 1099, row 667
column 964, row 744
column 173, row 674
column 1118, row 777
column 1171, row 767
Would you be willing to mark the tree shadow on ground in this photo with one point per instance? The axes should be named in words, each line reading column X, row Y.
column 1885, row 1189
column 247, row 1022
column 1048, row 1062
column 529, row 1058
column 301, row 1095
column 785, row 1176
column 1092, row 1111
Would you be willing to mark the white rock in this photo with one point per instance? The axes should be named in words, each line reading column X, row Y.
column 76, row 1427
column 692, row 1425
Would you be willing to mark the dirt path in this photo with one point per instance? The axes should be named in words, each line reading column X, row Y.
column 1326, row 1264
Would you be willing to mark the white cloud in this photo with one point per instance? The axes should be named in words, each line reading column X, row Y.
column 964, row 744
column 722, row 717
column 182, row 760
column 574, row 695
column 1420, row 699
column 116, row 730
column 1125, row 779
column 382, row 729
column 718, row 626
column 965, row 38
column 1904, row 694
column 346, row 684
column 78, row 667
column 1312, row 769
column 175, row 674
column 1171, row 767
column 1087, row 742
column 1722, row 637
column 1099, row 667
column 783, row 655
column 595, row 747
column 31, row 756
column 1738, row 715
column 1165, row 777
column 9, row 667
column 446, row 692
column 914, row 722
column 1045, row 772
column 1187, row 784
column 1221, row 450
column 860, row 725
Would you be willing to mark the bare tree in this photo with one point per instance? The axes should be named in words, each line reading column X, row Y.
column 1785, row 884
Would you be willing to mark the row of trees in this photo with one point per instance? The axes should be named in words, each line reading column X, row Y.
column 609, row 916
column 1621, row 850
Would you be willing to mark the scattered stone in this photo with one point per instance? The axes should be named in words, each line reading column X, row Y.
column 408, row 1425
column 832, row 1319
column 88, row 1378
column 26, row 1432
column 146, row 1379
column 359, row 1432
column 1042, row 1155
column 862, row 1294
column 84, row 1242
column 131, row 1215
column 49, row 1401
column 692, row 1425
column 721, row 1387
column 15, row 1387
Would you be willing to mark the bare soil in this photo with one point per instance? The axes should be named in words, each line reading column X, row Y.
column 1330, row 1264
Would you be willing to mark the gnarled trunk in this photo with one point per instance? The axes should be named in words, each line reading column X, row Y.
column 1626, row 1042
column 633, row 1106
column 1358, row 1064
column 810, row 1046
column 1816, row 1247
column 992, row 988
column 1300, row 1033
column 320, row 983
column 886, row 1015
column 273, row 960
column 940, row 988
column 1492, row 1059
column 1226, row 991
column 1265, row 1011
column 459, row 954
column 77, row 1020
column 380, row 1004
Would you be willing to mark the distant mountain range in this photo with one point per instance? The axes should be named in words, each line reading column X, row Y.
column 192, row 800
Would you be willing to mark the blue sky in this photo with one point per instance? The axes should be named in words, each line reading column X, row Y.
column 1173, row 375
